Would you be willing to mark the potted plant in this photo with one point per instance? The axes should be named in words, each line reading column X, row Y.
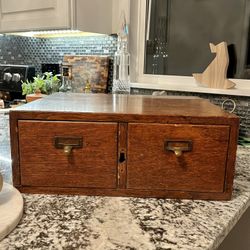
column 41, row 86
column 52, row 83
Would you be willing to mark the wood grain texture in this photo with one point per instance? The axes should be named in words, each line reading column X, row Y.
column 202, row 169
column 122, row 155
column 129, row 108
column 93, row 165
column 137, row 126
column 33, row 97
column 14, row 143
column 215, row 75
column 127, row 192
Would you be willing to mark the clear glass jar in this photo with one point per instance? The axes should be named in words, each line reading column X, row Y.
column 121, row 79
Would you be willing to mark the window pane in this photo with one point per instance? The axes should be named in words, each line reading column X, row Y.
column 178, row 33
column 156, row 53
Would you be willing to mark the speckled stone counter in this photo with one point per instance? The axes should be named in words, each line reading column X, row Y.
column 80, row 222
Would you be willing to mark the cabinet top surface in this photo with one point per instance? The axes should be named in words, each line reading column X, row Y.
column 125, row 104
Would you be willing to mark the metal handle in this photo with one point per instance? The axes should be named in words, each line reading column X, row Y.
column 67, row 149
column 178, row 146
column 177, row 151
column 68, row 143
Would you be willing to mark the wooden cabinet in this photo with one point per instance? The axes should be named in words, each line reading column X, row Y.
column 124, row 145
column 89, row 16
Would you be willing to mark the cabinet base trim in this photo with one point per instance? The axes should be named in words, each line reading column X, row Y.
column 126, row 193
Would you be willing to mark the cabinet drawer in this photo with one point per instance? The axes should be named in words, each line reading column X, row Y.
column 44, row 160
column 155, row 160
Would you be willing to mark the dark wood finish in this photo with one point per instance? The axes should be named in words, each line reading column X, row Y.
column 128, row 108
column 127, row 192
column 202, row 169
column 231, row 158
column 122, row 155
column 136, row 126
column 15, row 149
column 93, row 165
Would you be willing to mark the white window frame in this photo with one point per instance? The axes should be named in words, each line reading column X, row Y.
column 166, row 82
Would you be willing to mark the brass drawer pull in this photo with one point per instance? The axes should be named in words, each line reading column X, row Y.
column 178, row 146
column 68, row 143
column 67, row 149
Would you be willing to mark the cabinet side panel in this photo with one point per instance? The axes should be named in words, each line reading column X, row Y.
column 14, row 149
column 232, row 149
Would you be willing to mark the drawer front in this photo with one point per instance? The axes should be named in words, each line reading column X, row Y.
column 68, row 154
column 177, row 157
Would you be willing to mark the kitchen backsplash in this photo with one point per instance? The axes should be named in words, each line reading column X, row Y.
column 35, row 51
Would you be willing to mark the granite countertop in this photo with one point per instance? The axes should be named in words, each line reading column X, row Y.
column 4, row 111
column 87, row 222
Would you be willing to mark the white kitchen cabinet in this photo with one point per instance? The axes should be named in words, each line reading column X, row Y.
column 93, row 16
column 100, row 16
column 120, row 7
column 27, row 15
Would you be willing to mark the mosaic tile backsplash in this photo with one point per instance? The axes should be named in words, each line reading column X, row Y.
column 35, row 51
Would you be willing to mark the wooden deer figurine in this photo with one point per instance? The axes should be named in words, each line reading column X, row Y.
column 215, row 75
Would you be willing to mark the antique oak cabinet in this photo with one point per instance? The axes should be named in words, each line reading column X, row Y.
column 124, row 145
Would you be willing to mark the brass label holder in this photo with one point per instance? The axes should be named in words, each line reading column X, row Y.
column 67, row 143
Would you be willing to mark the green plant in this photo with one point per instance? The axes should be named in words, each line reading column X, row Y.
column 45, row 84
column 27, row 88
column 52, row 83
